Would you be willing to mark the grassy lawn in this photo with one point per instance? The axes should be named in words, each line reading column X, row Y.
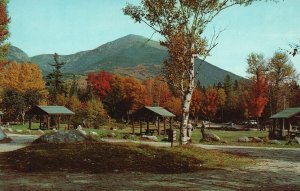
column 122, row 130
column 101, row 157
column 231, row 138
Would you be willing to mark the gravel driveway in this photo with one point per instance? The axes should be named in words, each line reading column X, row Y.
column 18, row 141
column 278, row 169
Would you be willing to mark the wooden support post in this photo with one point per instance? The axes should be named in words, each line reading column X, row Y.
column 40, row 121
column 132, row 121
column 289, row 127
column 30, row 118
column 158, row 128
column 282, row 129
column 164, row 125
column 69, row 122
column 48, row 122
column 171, row 132
column 141, row 126
column 147, row 124
column 58, row 122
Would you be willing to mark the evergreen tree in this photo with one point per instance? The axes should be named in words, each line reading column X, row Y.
column 74, row 89
column 54, row 80
column 228, row 90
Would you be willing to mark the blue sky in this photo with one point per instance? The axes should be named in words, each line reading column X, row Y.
column 69, row 26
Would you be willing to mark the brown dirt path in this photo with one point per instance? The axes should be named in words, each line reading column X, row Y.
column 278, row 169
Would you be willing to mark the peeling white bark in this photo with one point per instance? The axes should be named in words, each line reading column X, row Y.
column 187, row 97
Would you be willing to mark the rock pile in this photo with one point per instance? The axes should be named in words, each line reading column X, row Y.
column 150, row 138
column 72, row 136
column 245, row 139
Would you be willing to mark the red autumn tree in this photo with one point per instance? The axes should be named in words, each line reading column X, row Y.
column 256, row 95
column 100, row 83
column 210, row 105
column 4, row 20
column 196, row 103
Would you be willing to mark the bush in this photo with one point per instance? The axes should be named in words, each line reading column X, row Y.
column 91, row 114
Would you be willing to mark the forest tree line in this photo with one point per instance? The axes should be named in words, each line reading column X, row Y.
column 270, row 87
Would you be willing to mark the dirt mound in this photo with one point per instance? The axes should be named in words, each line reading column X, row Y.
column 100, row 157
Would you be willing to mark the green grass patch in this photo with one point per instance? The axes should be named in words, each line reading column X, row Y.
column 231, row 138
column 101, row 157
column 123, row 131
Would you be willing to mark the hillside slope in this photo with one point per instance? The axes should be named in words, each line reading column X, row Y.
column 130, row 55
column 16, row 54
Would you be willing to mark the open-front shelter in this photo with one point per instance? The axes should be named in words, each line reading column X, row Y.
column 286, row 123
column 153, row 114
column 48, row 112
column 1, row 114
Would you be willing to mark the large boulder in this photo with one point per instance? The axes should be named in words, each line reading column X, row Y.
column 111, row 135
column 150, row 138
column 257, row 140
column 244, row 139
column 211, row 137
column 4, row 138
column 72, row 136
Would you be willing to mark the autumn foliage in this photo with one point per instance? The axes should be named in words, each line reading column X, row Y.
column 4, row 20
column 100, row 82
column 256, row 96
column 22, row 77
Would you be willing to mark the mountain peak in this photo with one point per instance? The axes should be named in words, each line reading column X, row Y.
column 130, row 55
column 16, row 54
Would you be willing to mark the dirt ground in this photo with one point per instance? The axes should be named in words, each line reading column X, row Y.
column 278, row 169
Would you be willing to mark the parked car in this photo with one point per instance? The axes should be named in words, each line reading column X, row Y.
column 250, row 123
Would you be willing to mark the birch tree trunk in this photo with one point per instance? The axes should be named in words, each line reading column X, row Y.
column 187, row 97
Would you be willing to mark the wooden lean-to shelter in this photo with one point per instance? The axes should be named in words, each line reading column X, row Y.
column 155, row 115
column 286, row 124
column 48, row 112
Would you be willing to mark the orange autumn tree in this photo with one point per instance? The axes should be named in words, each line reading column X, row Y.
column 196, row 103
column 173, row 104
column 161, row 92
column 210, row 104
column 24, row 86
column 133, row 94
column 22, row 77
column 4, row 20
column 149, row 83
column 256, row 95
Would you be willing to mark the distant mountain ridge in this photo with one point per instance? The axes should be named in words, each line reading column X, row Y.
column 130, row 55
column 14, row 53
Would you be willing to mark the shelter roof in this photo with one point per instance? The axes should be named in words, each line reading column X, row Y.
column 152, row 111
column 287, row 113
column 50, row 110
